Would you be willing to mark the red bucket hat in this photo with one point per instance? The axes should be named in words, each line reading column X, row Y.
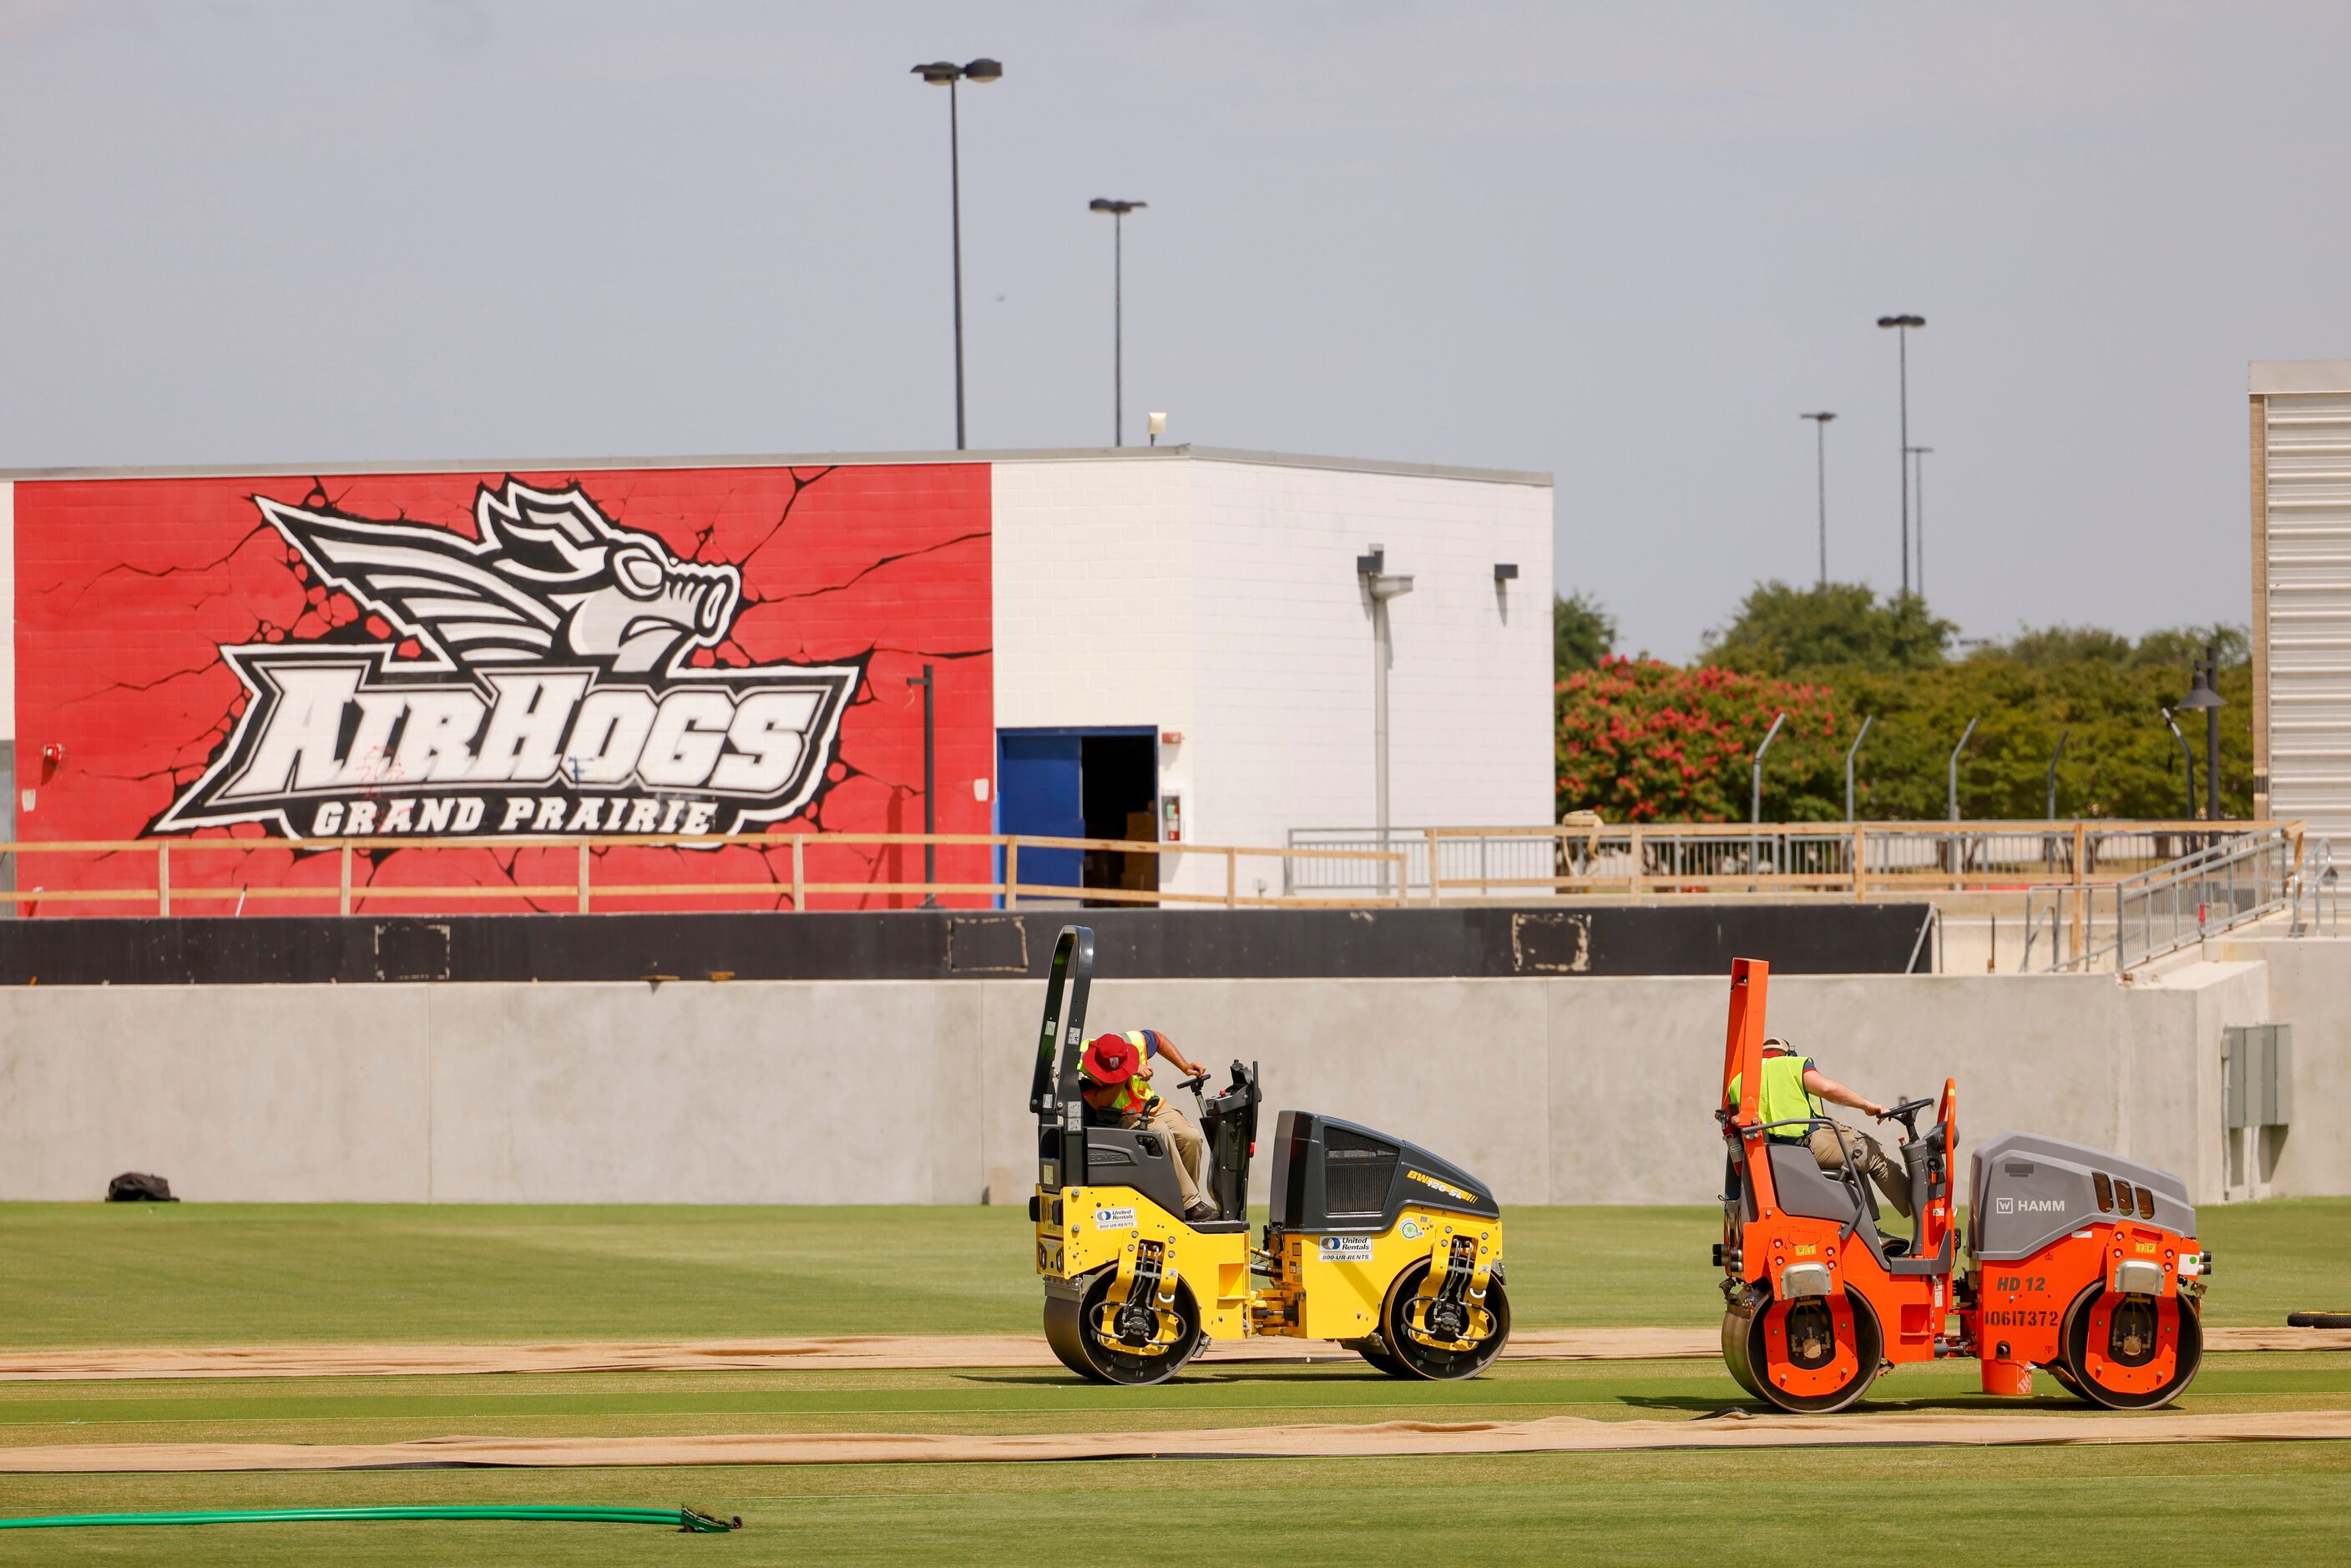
column 1110, row 1059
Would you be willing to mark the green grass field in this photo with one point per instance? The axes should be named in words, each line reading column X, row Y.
column 2266, row 1503
column 83, row 1274
column 87, row 1275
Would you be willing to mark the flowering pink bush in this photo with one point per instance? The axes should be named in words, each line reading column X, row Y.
column 1642, row 740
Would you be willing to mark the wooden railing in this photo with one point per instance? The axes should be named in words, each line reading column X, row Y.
column 350, row 893
column 1429, row 865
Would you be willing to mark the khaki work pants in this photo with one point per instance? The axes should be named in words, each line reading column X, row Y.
column 1870, row 1156
column 1177, row 1129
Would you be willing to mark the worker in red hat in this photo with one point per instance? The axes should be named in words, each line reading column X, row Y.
column 1115, row 1079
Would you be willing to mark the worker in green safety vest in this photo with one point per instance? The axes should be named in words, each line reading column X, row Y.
column 1793, row 1091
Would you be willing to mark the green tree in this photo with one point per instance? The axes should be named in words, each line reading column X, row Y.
column 1583, row 633
column 1781, row 631
column 2181, row 646
column 1648, row 742
column 2053, row 647
column 2050, row 647
column 1643, row 741
column 2120, row 761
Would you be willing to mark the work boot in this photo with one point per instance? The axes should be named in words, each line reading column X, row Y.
column 1200, row 1211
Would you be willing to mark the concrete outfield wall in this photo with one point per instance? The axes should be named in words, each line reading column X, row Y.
column 309, row 1093
column 1600, row 1090
column 1567, row 1091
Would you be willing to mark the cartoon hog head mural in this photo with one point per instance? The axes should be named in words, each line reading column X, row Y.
column 551, row 578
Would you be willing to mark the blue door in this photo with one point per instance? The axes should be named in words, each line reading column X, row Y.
column 1040, row 790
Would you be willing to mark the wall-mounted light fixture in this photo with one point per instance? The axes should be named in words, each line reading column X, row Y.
column 1506, row 572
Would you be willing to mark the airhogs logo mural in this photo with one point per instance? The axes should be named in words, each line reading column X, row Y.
column 550, row 689
column 481, row 656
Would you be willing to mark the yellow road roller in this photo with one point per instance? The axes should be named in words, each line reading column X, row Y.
column 1371, row 1241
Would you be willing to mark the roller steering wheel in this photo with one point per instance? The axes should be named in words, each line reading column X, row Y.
column 1904, row 1113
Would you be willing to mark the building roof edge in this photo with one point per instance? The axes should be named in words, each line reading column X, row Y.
column 786, row 460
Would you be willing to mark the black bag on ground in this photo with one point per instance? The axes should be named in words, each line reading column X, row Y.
column 138, row 1186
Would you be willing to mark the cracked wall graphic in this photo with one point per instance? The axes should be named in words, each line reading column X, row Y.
column 493, row 653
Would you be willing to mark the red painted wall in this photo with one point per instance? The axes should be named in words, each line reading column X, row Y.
column 608, row 582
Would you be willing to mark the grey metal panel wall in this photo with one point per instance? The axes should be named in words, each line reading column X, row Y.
column 942, row 945
column 2306, row 528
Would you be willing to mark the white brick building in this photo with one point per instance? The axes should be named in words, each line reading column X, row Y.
column 1214, row 595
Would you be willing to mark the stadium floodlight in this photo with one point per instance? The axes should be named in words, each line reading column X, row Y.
column 946, row 74
column 1902, row 325
column 1117, row 211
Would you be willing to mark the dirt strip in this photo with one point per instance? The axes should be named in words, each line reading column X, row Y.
column 2277, row 1339
column 854, row 1353
column 1553, row 1434
column 829, row 1353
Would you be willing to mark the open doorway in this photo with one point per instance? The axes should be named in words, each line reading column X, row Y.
column 1120, row 775
column 1081, row 784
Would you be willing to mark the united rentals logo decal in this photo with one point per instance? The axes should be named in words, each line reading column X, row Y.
column 550, row 690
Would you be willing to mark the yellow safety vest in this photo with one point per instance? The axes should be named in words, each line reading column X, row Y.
column 1784, row 1097
column 1135, row 1096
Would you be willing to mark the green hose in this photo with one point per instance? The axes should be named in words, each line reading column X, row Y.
column 683, row 1519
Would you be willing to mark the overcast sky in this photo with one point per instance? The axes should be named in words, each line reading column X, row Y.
column 1627, row 244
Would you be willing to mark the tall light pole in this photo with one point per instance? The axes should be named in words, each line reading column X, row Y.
column 946, row 73
column 1917, row 455
column 1902, row 325
column 1117, row 211
column 1821, row 433
column 1382, row 585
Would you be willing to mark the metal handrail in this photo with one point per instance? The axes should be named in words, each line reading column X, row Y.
column 2164, row 909
column 1856, row 858
column 2315, row 878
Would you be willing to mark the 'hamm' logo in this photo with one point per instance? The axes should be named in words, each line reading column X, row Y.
column 551, row 691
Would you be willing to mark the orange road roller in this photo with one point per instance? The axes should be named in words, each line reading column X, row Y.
column 2077, row 1261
